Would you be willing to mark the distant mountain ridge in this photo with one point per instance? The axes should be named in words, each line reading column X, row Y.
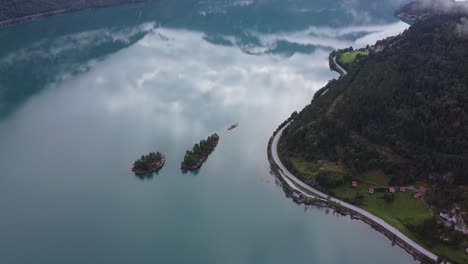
column 12, row 11
column 424, row 9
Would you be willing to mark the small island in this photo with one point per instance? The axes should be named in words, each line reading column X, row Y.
column 149, row 163
column 194, row 158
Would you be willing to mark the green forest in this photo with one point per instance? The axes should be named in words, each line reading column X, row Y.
column 403, row 109
column 398, row 118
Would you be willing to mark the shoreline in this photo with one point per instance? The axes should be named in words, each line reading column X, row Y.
column 33, row 17
column 36, row 16
column 320, row 199
column 194, row 167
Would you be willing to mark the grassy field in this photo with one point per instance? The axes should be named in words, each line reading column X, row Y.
column 350, row 56
column 306, row 169
column 405, row 210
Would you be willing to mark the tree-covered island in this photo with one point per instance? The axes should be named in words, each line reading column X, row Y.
column 149, row 163
column 194, row 158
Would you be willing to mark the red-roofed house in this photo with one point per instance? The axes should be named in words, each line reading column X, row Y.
column 402, row 189
column 423, row 189
column 354, row 183
column 391, row 189
column 371, row 190
column 417, row 195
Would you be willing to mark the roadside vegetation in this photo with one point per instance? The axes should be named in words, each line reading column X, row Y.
column 350, row 56
column 412, row 216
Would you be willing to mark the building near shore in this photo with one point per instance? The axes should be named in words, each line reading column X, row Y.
column 448, row 217
column 297, row 194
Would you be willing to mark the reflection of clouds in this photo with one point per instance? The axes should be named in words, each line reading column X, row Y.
column 72, row 143
column 176, row 86
column 76, row 42
column 374, row 35
column 185, row 69
column 177, row 79
column 336, row 37
column 358, row 15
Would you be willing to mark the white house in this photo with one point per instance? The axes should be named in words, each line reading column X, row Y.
column 448, row 217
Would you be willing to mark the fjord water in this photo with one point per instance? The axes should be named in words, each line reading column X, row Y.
column 82, row 95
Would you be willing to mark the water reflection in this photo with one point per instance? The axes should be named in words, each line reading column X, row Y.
column 146, row 176
column 56, row 48
column 192, row 172
column 167, row 89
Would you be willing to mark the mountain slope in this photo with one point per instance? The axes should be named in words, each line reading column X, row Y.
column 403, row 110
column 423, row 9
column 398, row 118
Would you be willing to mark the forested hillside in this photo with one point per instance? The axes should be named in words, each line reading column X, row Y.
column 402, row 110
column 423, row 9
column 13, row 9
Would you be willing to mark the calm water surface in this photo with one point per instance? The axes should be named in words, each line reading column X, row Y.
column 84, row 94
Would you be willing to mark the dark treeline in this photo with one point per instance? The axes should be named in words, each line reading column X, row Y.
column 22, row 8
column 149, row 163
column 194, row 158
column 403, row 109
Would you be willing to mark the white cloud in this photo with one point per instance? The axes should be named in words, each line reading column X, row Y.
column 75, row 42
column 336, row 38
column 177, row 77
column 387, row 31
column 185, row 78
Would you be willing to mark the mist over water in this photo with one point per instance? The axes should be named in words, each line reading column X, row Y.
column 96, row 89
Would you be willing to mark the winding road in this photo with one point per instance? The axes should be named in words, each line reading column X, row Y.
column 339, row 66
column 289, row 178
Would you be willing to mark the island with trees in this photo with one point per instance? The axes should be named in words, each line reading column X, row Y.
column 149, row 163
column 194, row 158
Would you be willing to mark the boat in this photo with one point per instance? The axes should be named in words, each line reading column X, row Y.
column 233, row 126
